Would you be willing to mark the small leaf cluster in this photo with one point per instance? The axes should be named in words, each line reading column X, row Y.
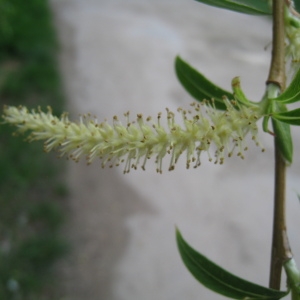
column 290, row 95
column 282, row 118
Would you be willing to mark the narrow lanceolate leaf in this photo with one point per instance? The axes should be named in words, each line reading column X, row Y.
column 219, row 280
column 199, row 86
column 282, row 132
column 291, row 117
column 252, row 7
column 292, row 93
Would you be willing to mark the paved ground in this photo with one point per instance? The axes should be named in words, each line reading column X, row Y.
column 118, row 56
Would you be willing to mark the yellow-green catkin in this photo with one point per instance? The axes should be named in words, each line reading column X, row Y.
column 135, row 142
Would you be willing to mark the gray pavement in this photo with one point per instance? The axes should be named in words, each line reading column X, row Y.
column 118, row 56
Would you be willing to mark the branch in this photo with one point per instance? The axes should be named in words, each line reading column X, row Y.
column 281, row 251
column 277, row 68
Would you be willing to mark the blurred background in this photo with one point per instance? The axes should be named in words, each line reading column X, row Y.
column 32, row 184
column 117, row 241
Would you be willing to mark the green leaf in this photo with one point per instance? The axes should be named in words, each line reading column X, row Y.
column 219, row 280
column 282, row 131
column 297, row 5
column 266, row 124
column 291, row 117
column 199, row 86
column 292, row 93
column 293, row 277
column 283, row 137
column 252, row 7
column 238, row 92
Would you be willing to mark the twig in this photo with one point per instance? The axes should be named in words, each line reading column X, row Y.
column 280, row 245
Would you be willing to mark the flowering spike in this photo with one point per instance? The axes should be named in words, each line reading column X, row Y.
column 202, row 127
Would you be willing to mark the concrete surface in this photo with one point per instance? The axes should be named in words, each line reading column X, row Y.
column 118, row 56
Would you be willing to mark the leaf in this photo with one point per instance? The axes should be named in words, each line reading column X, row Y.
column 282, row 131
column 252, row 7
column 219, row 280
column 265, row 124
column 297, row 5
column 293, row 277
column 238, row 92
column 283, row 137
column 291, row 117
column 199, row 86
column 292, row 93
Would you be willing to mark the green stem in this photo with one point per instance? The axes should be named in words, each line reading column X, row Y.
column 280, row 245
